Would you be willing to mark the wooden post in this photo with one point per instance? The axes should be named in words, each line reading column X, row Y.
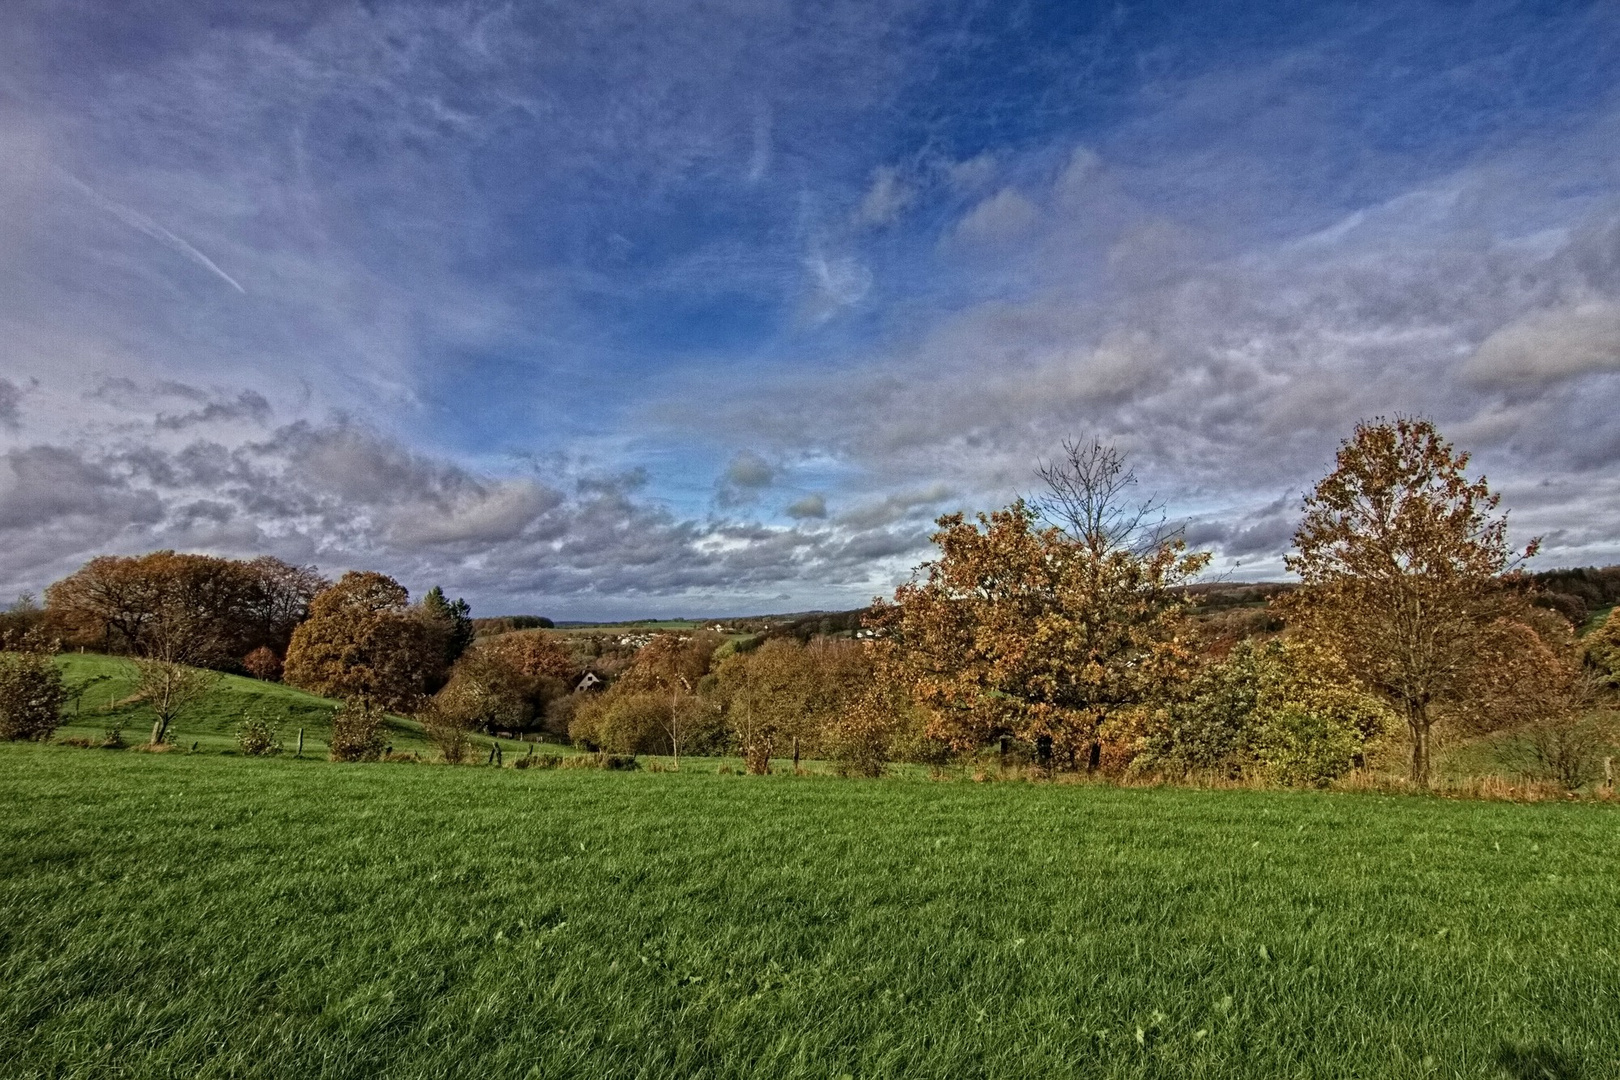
column 300, row 743
column 1608, row 773
column 795, row 755
column 498, row 761
column 491, row 760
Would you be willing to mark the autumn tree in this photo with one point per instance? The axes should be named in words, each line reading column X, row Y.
column 282, row 594
column 485, row 692
column 1404, row 563
column 362, row 643
column 170, row 690
column 785, row 693
column 673, row 665
column 182, row 608
column 1045, row 621
column 1602, row 647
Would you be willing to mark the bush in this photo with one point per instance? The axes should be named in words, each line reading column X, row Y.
column 357, row 733
column 861, row 742
column 257, row 737
column 31, row 695
column 1300, row 747
column 448, row 730
column 621, row 722
column 1568, row 749
column 263, row 663
column 538, row 761
column 1603, row 650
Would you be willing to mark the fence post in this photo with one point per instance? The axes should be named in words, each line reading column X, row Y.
column 795, row 755
column 1608, row 773
column 498, row 756
column 300, row 743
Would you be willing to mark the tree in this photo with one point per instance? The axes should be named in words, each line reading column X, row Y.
column 784, row 690
column 1405, row 565
column 186, row 609
column 262, row 663
column 170, row 690
column 361, row 643
column 1044, row 632
column 31, row 690
column 449, row 624
column 1603, row 650
column 485, row 692
column 673, row 665
column 281, row 601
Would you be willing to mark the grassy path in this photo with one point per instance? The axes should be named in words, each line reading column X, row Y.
column 209, row 916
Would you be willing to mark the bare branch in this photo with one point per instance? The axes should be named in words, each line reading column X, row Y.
column 1088, row 496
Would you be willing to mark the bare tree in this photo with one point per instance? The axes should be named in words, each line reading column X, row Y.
column 1088, row 496
column 170, row 689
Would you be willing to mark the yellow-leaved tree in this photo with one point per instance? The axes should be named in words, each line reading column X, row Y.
column 1046, row 620
column 1409, row 580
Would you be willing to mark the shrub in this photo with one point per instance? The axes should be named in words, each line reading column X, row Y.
column 1603, row 650
column 620, row 722
column 861, row 742
column 1300, row 747
column 257, row 737
column 1568, row 749
column 263, row 663
column 357, row 733
column 538, row 761
column 447, row 729
column 31, row 695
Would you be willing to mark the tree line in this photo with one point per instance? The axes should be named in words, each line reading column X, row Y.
column 1059, row 630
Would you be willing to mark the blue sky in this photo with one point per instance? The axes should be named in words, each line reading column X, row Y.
column 623, row 309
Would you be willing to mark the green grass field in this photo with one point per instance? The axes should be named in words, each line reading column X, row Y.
column 204, row 915
column 109, row 684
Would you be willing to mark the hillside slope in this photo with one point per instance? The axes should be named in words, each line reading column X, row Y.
column 108, row 685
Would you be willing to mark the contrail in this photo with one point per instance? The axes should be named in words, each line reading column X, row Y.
column 140, row 222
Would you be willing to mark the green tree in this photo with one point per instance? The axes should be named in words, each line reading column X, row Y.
column 31, row 690
column 449, row 623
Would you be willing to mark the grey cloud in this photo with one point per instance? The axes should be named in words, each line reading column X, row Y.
column 247, row 405
column 1554, row 343
column 41, row 484
column 10, row 400
column 893, row 508
column 342, row 495
column 1268, row 531
column 811, row 506
column 749, row 470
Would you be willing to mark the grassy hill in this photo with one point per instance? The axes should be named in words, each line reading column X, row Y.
column 108, row 683
column 196, row 915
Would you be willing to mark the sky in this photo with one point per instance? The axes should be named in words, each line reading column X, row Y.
column 630, row 309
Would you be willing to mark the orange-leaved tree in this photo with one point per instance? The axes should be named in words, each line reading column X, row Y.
column 363, row 644
column 1045, row 621
column 1407, row 576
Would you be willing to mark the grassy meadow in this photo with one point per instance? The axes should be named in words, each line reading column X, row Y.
column 107, row 700
column 204, row 915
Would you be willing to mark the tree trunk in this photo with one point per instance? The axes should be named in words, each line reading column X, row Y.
column 1418, row 721
column 159, row 729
